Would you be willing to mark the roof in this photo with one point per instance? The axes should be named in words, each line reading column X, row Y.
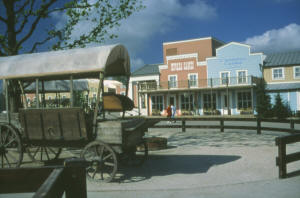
column 149, row 69
column 113, row 60
column 191, row 40
column 283, row 59
column 283, row 86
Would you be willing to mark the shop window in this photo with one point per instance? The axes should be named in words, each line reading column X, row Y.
column 209, row 101
column 187, row 102
column 242, row 77
column 277, row 73
column 157, row 103
column 172, row 81
column 297, row 72
column 244, row 100
column 224, row 78
column 193, row 80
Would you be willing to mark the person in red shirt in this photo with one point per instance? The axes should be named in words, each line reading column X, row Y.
column 169, row 113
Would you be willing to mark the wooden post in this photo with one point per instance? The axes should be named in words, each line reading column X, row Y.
column 75, row 178
column 71, row 92
column 258, row 126
column 7, row 101
column 138, row 97
column 43, row 95
column 37, row 97
column 183, row 125
column 292, row 124
column 222, row 125
column 281, row 159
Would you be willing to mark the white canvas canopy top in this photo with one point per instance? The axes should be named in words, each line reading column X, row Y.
column 113, row 60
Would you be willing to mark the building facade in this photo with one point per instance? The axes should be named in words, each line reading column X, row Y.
column 199, row 77
column 282, row 75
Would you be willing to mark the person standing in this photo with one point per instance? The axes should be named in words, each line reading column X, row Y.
column 173, row 109
column 169, row 113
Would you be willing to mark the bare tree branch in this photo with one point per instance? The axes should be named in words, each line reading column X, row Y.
column 25, row 20
column 22, row 7
column 3, row 19
column 36, row 21
column 40, row 43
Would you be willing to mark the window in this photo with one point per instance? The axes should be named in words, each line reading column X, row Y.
column 193, row 80
column 172, row 81
column 224, row 78
column 187, row 102
column 242, row 77
column 143, row 101
column 244, row 100
column 157, row 103
column 209, row 101
column 277, row 74
column 297, row 72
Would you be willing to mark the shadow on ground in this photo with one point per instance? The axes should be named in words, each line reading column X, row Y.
column 163, row 165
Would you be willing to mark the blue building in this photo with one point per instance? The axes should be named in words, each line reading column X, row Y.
column 233, row 73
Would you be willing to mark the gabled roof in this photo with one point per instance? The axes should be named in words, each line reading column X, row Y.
column 283, row 59
column 146, row 70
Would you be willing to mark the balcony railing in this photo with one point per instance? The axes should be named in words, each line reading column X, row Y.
column 199, row 83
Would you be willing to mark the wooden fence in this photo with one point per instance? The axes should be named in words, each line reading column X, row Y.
column 46, row 182
column 257, row 123
column 283, row 159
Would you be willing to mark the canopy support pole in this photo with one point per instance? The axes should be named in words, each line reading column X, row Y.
column 23, row 94
column 71, row 92
column 37, row 97
column 127, row 87
column 98, row 100
column 7, row 101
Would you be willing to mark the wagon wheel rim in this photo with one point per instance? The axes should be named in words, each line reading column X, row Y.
column 103, row 162
column 43, row 153
column 11, row 154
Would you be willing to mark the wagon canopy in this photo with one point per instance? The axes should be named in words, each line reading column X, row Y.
column 113, row 60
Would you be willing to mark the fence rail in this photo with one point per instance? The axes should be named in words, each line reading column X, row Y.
column 222, row 126
column 46, row 182
column 283, row 159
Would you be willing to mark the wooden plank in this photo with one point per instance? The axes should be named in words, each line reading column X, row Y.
column 53, row 186
column 292, row 157
column 288, row 139
column 20, row 180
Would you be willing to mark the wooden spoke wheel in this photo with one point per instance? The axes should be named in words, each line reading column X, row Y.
column 103, row 161
column 43, row 153
column 11, row 153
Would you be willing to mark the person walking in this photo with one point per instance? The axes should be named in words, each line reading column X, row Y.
column 169, row 113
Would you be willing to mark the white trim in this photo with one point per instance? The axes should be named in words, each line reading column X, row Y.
column 234, row 43
column 289, row 82
column 163, row 67
column 220, row 73
column 298, row 102
column 282, row 78
column 182, row 56
column 190, row 40
column 202, row 63
column 237, row 76
column 294, row 71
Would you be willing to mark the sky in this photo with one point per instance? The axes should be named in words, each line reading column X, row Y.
column 267, row 25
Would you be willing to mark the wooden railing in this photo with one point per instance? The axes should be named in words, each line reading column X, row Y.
column 46, row 182
column 283, row 158
column 222, row 120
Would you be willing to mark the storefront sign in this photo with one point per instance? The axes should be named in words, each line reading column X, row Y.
column 189, row 65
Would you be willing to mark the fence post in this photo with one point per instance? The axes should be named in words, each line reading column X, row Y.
column 75, row 178
column 222, row 125
column 281, row 159
column 292, row 124
column 258, row 126
column 183, row 125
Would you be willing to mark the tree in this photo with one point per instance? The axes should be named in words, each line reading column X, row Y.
column 19, row 19
column 263, row 101
column 280, row 110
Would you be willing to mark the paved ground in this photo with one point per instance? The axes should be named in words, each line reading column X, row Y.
column 205, row 163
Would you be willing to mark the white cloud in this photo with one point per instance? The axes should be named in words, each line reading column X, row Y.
column 283, row 39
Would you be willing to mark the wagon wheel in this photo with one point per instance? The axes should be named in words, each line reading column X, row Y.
column 43, row 153
column 103, row 161
column 11, row 153
column 136, row 156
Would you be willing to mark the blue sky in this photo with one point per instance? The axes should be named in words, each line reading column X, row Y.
column 267, row 25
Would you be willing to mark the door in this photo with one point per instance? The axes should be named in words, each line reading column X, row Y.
column 225, row 101
column 172, row 100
